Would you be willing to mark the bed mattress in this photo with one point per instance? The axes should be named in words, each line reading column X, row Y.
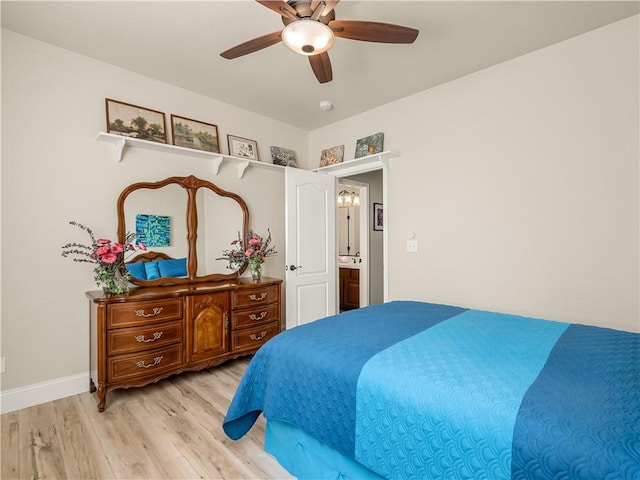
column 418, row 390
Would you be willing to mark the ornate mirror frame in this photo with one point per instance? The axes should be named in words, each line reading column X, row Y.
column 191, row 184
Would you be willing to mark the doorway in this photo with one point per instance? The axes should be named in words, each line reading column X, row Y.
column 374, row 163
column 352, row 244
column 368, row 252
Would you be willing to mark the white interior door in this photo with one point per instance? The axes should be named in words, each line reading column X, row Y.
column 310, row 286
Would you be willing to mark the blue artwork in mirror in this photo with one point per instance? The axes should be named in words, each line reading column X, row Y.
column 153, row 230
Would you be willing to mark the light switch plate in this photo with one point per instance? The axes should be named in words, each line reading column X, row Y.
column 412, row 246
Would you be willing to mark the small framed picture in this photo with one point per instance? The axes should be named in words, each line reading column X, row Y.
column 242, row 147
column 134, row 121
column 331, row 156
column 369, row 145
column 284, row 157
column 189, row 133
column 378, row 217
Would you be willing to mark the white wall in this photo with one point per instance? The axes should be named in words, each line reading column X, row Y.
column 54, row 171
column 521, row 183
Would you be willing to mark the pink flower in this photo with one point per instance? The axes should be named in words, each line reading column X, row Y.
column 117, row 248
column 109, row 258
column 142, row 246
column 254, row 241
column 100, row 251
column 249, row 252
column 103, row 241
column 234, row 242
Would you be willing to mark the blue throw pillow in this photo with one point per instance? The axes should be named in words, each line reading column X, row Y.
column 173, row 268
column 152, row 270
column 137, row 270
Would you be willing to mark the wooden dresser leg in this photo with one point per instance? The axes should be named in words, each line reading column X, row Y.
column 102, row 396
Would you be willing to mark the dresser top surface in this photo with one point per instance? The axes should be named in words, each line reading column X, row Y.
column 148, row 293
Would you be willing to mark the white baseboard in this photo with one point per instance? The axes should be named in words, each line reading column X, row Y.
column 37, row 393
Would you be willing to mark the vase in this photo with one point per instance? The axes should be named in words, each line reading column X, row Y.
column 116, row 285
column 256, row 271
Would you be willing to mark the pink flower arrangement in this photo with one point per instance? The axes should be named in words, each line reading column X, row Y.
column 109, row 258
column 255, row 253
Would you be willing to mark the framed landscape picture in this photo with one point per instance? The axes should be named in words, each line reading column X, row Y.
column 242, row 147
column 134, row 121
column 369, row 145
column 189, row 133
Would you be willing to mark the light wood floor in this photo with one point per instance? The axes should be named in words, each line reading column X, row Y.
column 172, row 430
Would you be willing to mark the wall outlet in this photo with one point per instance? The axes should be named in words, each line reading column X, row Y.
column 412, row 246
column 3, row 365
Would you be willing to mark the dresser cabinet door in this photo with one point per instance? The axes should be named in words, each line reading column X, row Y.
column 207, row 321
column 352, row 290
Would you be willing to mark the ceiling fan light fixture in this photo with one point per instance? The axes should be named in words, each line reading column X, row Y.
column 307, row 37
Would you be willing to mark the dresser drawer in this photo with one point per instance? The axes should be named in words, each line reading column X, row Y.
column 138, row 339
column 255, row 316
column 141, row 313
column 136, row 366
column 255, row 296
column 252, row 338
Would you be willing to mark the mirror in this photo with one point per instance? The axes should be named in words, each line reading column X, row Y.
column 185, row 223
column 348, row 222
column 221, row 222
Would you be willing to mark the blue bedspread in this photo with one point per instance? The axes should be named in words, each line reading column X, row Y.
column 418, row 390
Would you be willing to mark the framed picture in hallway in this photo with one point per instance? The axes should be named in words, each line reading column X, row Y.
column 242, row 147
column 378, row 217
column 134, row 121
column 189, row 133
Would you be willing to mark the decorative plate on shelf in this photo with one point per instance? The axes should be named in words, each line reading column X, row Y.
column 283, row 156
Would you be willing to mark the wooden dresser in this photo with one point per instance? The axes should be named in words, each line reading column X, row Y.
column 154, row 332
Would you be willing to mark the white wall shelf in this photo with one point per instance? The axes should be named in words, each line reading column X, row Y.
column 120, row 144
column 359, row 165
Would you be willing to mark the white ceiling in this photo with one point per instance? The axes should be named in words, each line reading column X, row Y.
column 179, row 42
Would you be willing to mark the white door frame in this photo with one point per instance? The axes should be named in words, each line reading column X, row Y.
column 363, row 246
column 364, row 165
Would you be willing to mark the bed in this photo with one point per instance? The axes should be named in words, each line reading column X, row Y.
column 418, row 390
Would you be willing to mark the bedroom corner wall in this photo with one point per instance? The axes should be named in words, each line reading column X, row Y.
column 54, row 171
column 521, row 183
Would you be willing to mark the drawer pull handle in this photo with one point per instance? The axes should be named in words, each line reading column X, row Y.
column 141, row 339
column 255, row 337
column 156, row 361
column 255, row 317
column 255, row 298
column 156, row 311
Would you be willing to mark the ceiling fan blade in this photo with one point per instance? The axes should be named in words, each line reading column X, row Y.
column 321, row 66
column 252, row 45
column 373, row 31
column 278, row 6
column 328, row 6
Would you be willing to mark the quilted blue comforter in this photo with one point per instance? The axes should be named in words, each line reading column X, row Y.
column 419, row 390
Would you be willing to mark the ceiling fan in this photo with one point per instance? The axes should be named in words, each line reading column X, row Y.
column 309, row 29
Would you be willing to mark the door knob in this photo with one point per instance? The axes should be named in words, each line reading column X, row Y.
column 293, row 267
